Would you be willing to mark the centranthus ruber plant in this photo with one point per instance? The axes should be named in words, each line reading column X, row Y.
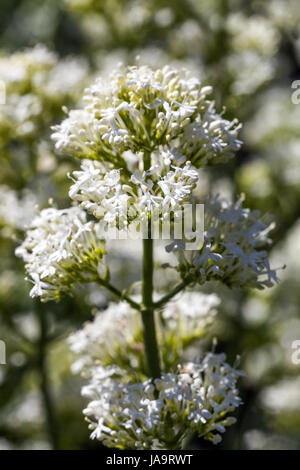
column 142, row 137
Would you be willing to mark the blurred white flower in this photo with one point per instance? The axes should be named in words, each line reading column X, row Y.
column 37, row 82
column 190, row 313
column 249, row 71
column 16, row 210
column 252, row 33
column 282, row 396
column 114, row 337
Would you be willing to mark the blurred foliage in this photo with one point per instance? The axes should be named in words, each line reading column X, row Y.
column 250, row 53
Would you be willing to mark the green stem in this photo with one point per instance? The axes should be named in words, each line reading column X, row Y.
column 45, row 388
column 148, row 319
column 170, row 295
column 187, row 440
column 118, row 293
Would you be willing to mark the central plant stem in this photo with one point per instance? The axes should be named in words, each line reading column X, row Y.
column 148, row 318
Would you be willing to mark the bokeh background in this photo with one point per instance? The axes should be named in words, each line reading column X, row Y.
column 50, row 50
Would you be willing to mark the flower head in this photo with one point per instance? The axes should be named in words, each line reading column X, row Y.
column 141, row 109
column 143, row 415
column 235, row 248
column 37, row 83
column 190, row 313
column 115, row 336
column 59, row 250
column 16, row 210
column 101, row 190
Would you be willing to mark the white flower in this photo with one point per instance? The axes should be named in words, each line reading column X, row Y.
column 252, row 33
column 37, row 82
column 190, row 313
column 282, row 395
column 143, row 415
column 78, row 133
column 18, row 67
column 100, row 190
column 115, row 337
column 59, row 249
column 234, row 250
column 145, row 186
column 141, row 109
column 250, row 71
column 16, row 211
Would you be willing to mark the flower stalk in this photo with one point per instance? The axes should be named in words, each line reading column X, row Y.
column 148, row 319
column 45, row 388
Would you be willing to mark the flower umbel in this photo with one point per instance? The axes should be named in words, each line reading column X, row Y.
column 114, row 337
column 235, row 248
column 145, row 415
column 60, row 249
column 141, row 109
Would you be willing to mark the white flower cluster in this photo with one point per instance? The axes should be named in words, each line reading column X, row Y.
column 275, row 121
column 36, row 83
column 114, row 337
column 282, row 395
column 146, row 415
column 253, row 42
column 234, row 249
column 129, row 17
column 16, row 210
column 140, row 109
column 274, row 134
column 101, row 191
column 18, row 69
column 169, row 190
column 254, row 32
column 60, row 248
column 249, row 71
column 190, row 313
column 284, row 14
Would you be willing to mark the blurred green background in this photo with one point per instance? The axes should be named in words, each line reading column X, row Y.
column 50, row 51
